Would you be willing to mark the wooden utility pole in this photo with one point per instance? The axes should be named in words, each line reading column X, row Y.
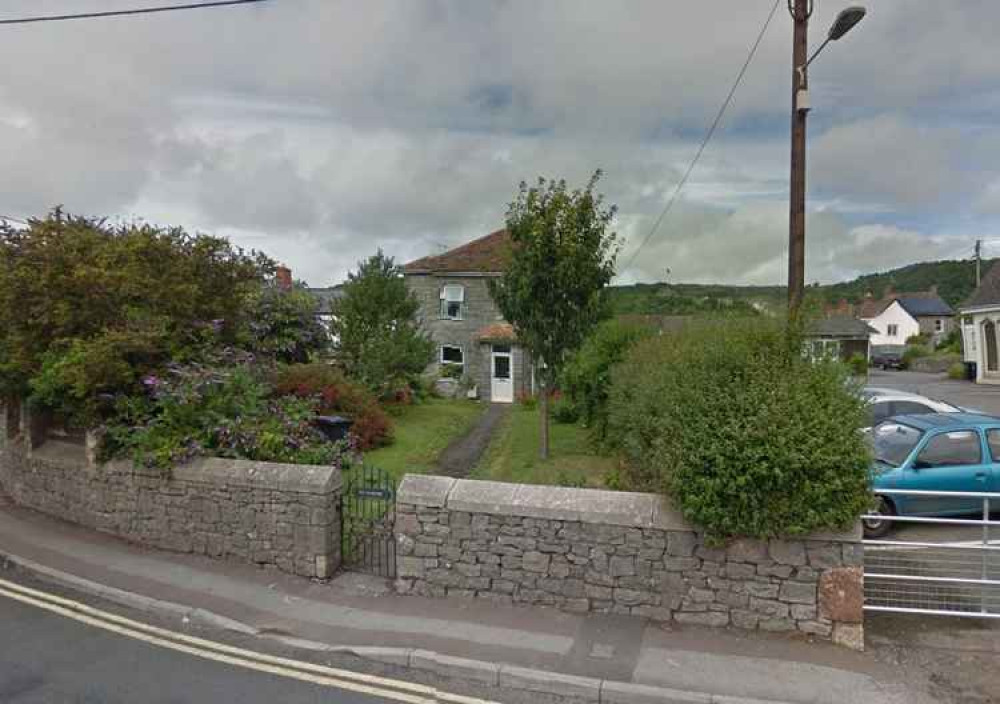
column 797, row 191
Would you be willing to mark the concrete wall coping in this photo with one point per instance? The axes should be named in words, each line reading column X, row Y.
column 595, row 506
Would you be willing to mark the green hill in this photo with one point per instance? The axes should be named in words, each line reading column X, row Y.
column 955, row 280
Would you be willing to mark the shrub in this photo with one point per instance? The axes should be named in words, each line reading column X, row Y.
column 919, row 339
column 336, row 394
column 587, row 374
column 913, row 352
column 564, row 411
column 858, row 364
column 527, row 400
column 282, row 324
column 225, row 412
column 956, row 371
column 750, row 438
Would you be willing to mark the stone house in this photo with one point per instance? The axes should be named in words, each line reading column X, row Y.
column 899, row 316
column 473, row 341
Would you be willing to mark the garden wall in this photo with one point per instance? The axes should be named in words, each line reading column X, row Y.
column 287, row 516
column 587, row 550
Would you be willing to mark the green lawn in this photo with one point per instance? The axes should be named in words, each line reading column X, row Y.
column 513, row 454
column 421, row 432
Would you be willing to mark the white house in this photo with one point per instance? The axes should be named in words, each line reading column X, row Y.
column 900, row 316
column 980, row 319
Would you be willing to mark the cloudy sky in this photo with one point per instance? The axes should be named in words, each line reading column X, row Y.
column 317, row 130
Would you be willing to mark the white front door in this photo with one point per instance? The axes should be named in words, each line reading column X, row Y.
column 501, row 374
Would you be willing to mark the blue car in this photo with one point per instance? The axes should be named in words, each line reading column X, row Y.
column 933, row 452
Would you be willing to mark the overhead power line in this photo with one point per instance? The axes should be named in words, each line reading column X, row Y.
column 708, row 135
column 122, row 13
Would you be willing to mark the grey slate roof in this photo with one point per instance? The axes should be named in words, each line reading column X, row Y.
column 924, row 305
column 988, row 293
column 841, row 326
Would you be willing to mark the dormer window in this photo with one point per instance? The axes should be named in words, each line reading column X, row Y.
column 452, row 300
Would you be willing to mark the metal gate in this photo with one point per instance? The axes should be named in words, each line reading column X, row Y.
column 367, row 521
column 921, row 568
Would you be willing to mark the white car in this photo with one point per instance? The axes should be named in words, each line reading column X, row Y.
column 885, row 403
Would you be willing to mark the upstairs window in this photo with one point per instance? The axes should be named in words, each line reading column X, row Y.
column 892, row 330
column 452, row 302
column 938, row 325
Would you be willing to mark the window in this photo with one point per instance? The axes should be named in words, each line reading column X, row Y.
column 909, row 408
column 892, row 442
column 938, row 325
column 823, row 349
column 879, row 412
column 892, row 330
column 453, row 358
column 993, row 440
column 452, row 299
column 951, row 449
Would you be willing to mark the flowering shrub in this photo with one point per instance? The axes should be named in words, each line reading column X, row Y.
column 335, row 394
column 222, row 411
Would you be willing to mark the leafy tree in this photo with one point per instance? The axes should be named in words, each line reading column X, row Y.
column 562, row 259
column 375, row 327
column 86, row 307
column 283, row 324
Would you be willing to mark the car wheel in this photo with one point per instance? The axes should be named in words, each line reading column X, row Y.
column 873, row 527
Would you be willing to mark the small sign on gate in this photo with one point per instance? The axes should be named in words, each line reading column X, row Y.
column 385, row 494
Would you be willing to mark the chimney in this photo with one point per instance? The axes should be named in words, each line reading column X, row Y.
column 283, row 277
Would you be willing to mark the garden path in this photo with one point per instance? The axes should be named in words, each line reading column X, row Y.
column 464, row 452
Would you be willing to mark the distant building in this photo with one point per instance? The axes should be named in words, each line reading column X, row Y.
column 472, row 338
column 980, row 318
column 839, row 337
column 900, row 316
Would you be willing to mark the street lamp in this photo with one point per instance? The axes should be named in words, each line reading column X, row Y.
column 801, row 10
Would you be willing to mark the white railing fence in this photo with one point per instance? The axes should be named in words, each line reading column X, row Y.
column 936, row 566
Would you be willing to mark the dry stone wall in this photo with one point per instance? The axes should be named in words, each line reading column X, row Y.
column 286, row 516
column 585, row 550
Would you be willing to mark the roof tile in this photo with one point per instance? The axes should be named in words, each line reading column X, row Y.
column 486, row 255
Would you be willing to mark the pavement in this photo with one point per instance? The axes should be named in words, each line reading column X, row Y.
column 458, row 459
column 595, row 657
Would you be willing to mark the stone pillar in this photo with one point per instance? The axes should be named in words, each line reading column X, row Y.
column 93, row 440
column 34, row 425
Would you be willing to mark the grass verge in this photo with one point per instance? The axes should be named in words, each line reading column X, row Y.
column 421, row 432
column 512, row 456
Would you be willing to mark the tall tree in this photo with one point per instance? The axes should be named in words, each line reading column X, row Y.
column 375, row 327
column 562, row 258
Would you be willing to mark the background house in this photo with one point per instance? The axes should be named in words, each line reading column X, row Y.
column 980, row 319
column 839, row 337
column 900, row 316
column 456, row 310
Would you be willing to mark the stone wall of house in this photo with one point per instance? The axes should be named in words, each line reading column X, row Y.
column 286, row 516
column 478, row 311
column 586, row 550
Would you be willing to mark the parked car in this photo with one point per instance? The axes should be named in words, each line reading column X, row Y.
column 887, row 356
column 941, row 452
column 885, row 403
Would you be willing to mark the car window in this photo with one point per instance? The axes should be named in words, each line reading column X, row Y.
column 892, row 442
column 912, row 408
column 993, row 440
column 951, row 449
column 879, row 412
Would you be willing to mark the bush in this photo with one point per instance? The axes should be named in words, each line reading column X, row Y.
column 858, row 364
column 336, row 394
column 527, row 400
column 956, row 371
column 750, row 438
column 224, row 412
column 587, row 373
column 919, row 339
column 913, row 352
column 564, row 411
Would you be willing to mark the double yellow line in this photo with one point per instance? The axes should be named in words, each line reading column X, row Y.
column 395, row 690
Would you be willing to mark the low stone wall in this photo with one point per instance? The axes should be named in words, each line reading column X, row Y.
column 587, row 550
column 287, row 516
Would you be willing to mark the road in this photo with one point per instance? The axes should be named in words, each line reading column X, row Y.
column 50, row 657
